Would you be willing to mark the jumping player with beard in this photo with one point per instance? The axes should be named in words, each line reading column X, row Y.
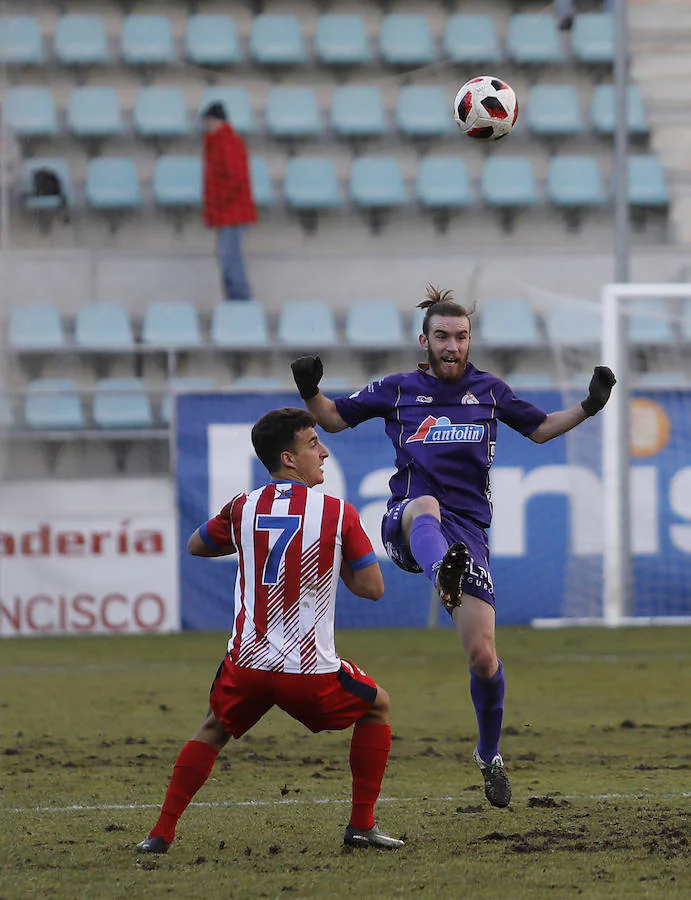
column 442, row 420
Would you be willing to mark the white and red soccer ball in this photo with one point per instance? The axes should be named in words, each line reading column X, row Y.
column 486, row 108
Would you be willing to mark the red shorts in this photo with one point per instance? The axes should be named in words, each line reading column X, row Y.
column 241, row 696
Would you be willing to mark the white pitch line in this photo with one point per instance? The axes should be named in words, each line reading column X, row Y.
column 220, row 804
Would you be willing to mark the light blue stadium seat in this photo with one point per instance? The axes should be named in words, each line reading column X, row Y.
column 377, row 182
column 686, row 320
column 442, row 185
column 262, row 188
column 171, row 323
column 527, row 380
column 21, row 43
column 423, row 111
column 603, row 109
column 341, row 40
column 508, row 181
column 470, row 38
column 553, row 110
column 357, row 111
column 80, row 40
column 508, row 323
column 35, row 326
column 533, row 39
column 592, row 38
column 571, row 325
column 236, row 101
column 103, row 326
column 669, row 378
column 212, row 40
column 239, row 326
column 291, row 112
column 374, row 325
column 416, row 325
column 160, row 112
column 121, row 403
column 94, row 112
column 575, row 181
column 647, row 184
column 53, row 404
column 310, row 183
column 649, row 322
column 406, row 40
column 7, row 413
column 112, row 184
column 45, row 203
column 30, row 112
column 276, row 40
column 306, row 324
column 147, row 40
column 188, row 384
column 177, row 181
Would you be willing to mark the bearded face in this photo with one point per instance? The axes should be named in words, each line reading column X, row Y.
column 447, row 345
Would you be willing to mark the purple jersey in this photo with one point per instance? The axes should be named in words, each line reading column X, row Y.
column 444, row 433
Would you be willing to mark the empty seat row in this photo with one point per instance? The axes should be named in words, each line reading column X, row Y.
column 311, row 183
column 357, row 111
column 340, row 40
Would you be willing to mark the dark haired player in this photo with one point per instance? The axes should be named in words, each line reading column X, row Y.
column 292, row 543
column 442, row 420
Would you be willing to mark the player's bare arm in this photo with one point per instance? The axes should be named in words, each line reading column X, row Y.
column 367, row 582
column 307, row 372
column 564, row 420
column 197, row 547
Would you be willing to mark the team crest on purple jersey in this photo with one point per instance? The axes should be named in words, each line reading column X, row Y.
column 442, row 431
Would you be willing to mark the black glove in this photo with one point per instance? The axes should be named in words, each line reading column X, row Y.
column 307, row 372
column 599, row 389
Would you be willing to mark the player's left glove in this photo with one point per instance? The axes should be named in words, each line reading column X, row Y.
column 600, row 388
column 307, row 372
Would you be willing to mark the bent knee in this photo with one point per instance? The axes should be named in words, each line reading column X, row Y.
column 483, row 662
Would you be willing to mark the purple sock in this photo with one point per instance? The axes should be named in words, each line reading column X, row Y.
column 488, row 699
column 427, row 544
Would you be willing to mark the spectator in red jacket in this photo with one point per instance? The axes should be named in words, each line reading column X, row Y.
column 228, row 203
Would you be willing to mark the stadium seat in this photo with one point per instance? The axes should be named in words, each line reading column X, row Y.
column 80, row 40
column 357, row 111
column 603, row 109
column 30, row 112
column 533, row 40
column 416, row 325
column 262, row 188
column 189, row 384
column 341, row 40
column 147, row 40
column 53, row 404
column 21, row 43
column 374, row 325
column 508, row 323
column 159, row 112
column 471, row 39
column 177, row 181
column 35, row 326
column 406, row 40
column 103, row 326
column 310, row 187
column 121, row 403
column 47, row 203
column 647, row 184
column 239, row 326
column 442, row 186
column 112, row 184
column 375, row 185
column 276, row 40
column 686, row 321
column 575, row 182
column 291, row 112
column 212, row 40
column 7, row 413
column 649, row 322
column 553, row 110
column 508, row 184
column 527, row 380
column 592, row 38
column 258, row 383
column 236, row 101
column 572, row 325
column 306, row 324
column 670, row 378
column 94, row 112
column 423, row 111
column 170, row 323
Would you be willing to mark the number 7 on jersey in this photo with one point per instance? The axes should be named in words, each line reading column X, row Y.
column 287, row 527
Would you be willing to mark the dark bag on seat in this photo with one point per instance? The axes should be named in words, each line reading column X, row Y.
column 47, row 184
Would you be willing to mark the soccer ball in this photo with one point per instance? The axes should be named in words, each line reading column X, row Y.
column 486, row 108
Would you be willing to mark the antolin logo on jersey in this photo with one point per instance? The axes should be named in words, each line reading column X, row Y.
column 442, row 431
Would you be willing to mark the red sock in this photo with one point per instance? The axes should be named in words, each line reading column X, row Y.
column 369, row 753
column 192, row 767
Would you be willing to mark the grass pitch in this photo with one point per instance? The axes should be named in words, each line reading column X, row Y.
column 596, row 741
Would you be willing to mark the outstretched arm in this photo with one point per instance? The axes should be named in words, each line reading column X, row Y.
column 564, row 420
column 307, row 372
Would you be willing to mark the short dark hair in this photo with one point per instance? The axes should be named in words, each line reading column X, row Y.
column 276, row 431
column 215, row 111
column 441, row 303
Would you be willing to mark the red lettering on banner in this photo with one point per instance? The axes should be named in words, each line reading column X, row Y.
column 6, row 544
column 78, row 605
column 15, row 617
column 31, row 605
column 70, row 543
column 83, row 613
column 45, row 542
column 139, row 602
column 105, row 603
column 36, row 543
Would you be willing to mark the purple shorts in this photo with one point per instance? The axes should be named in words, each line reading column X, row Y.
column 477, row 581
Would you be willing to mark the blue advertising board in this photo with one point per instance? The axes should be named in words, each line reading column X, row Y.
column 546, row 537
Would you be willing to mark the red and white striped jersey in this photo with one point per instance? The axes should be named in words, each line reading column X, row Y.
column 290, row 540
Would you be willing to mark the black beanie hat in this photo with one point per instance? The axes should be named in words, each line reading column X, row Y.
column 215, row 111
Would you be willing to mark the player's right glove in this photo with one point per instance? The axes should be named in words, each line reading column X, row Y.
column 307, row 372
column 600, row 388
